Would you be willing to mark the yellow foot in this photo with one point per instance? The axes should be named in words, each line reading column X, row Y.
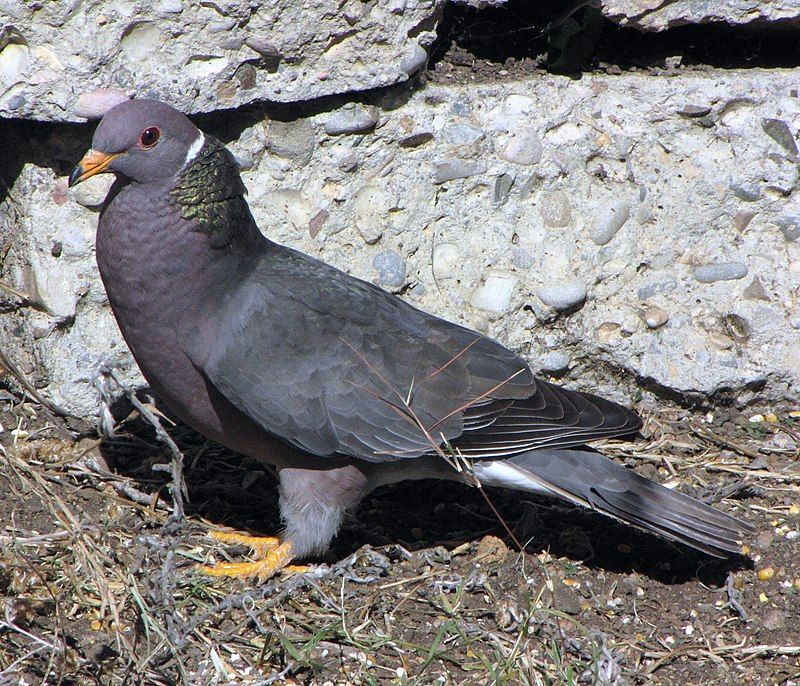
column 272, row 556
column 260, row 545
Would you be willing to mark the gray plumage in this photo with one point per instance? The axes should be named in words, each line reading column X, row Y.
column 340, row 385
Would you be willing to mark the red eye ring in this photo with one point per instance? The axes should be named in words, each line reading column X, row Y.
column 150, row 137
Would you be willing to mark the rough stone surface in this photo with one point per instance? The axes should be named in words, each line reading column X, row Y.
column 203, row 56
column 657, row 15
column 679, row 179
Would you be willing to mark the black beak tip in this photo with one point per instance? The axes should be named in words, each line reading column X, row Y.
column 74, row 175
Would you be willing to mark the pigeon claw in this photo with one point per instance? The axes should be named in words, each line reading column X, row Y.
column 271, row 555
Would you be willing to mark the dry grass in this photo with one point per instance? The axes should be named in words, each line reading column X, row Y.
column 98, row 579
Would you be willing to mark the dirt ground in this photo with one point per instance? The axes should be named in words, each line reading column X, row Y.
column 99, row 584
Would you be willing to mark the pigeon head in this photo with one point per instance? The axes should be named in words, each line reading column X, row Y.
column 144, row 141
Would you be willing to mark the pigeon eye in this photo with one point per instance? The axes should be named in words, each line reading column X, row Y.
column 150, row 137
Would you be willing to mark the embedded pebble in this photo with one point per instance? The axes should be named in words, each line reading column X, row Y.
column 502, row 187
column 790, row 228
column 348, row 163
column 351, row 119
column 457, row 169
column 446, row 260
column 95, row 104
column 665, row 285
column 317, row 222
column 521, row 258
column 655, row 317
column 779, row 131
column 563, row 295
column 693, row 111
column 93, row 191
column 291, row 140
column 415, row 61
column 12, row 59
column 391, row 269
column 609, row 222
column 262, row 47
column 523, row 148
column 720, row 341
column 721, row 271
column 742, row 219
column 744, row 191
column 555, row 209
column 416, row 139
column 554, row 361
column 372, row 204
column 140, row 42
column 462, row 134
column 494, row 294
column 170, row 6
column 756, row 290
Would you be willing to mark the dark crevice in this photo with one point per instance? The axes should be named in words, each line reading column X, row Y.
column 522, row 37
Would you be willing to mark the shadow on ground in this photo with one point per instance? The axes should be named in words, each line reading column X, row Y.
column 230, row 490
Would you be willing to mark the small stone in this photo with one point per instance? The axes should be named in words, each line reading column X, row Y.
column 524, row 148
column 755, row 291
column 554, row 362
column 766, row 573
column 95, row 104
column 746, row 192
column 457, row 169
column 563, row 295
column 170, row 6
column 222, row 25
column 351, row 119
column 521, row 258
column 502, row 187
column 372, row 205
column 491, row 549
column 291, row 140
column 246, row 75
column 609, row 222
column 56, row 248
column 779, row 131
column 263, row 47
column 720, row 341
column 742, row 219
column 92, row 192
column 17, row 101
column 349, row 163
column 317, row 222
column 655, row 317
column 790, row 228
column 774, row 620
column 606, row 332
column 765, row 538
column 391, row 269
column 446, row 260
column 665, row 285
column 414, row 61
column 695, row 111
column 721, row 271
column 555, row 209
column 494, row 294
column 416, row 139
column 461, row 134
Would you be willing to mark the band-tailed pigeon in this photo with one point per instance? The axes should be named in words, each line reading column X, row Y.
column 340, row 385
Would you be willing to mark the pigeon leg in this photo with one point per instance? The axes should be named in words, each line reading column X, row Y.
column 271, row 555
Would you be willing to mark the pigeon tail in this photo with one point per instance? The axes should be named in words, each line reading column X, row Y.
column 592, row 480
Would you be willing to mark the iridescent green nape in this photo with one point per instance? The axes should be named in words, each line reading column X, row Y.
column 210, row 192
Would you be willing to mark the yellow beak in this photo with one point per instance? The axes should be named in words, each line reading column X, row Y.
column 93, row 162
